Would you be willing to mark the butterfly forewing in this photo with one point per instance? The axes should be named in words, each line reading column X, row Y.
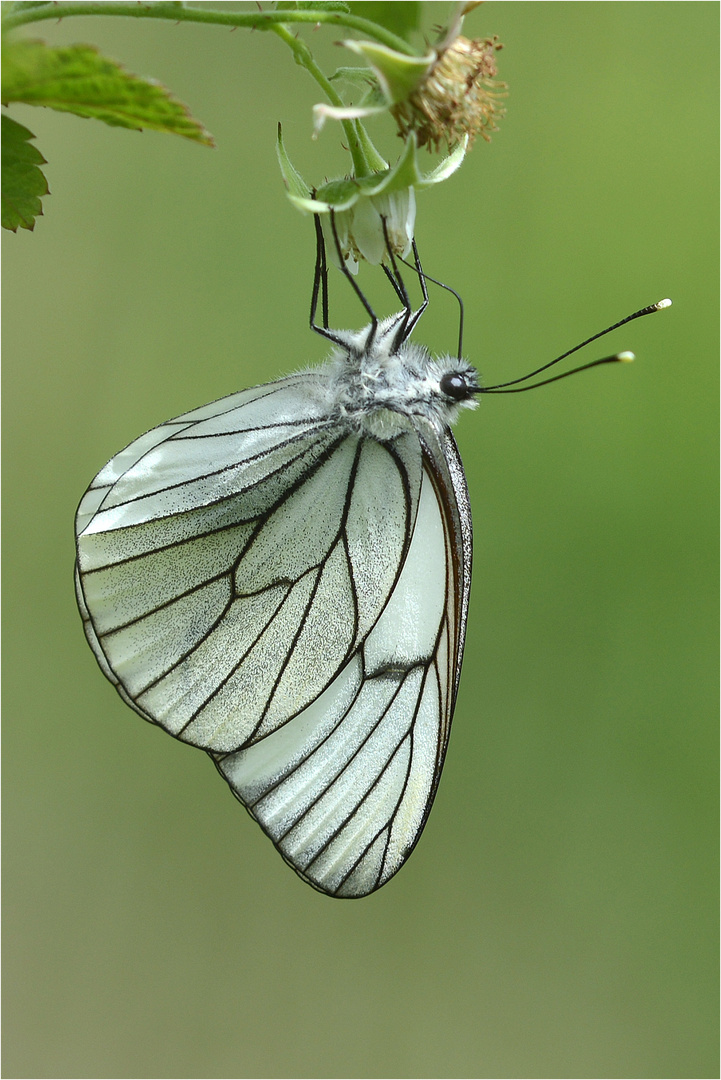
column 224, row 605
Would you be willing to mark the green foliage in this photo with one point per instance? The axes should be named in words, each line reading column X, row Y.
column 78, row 79
column 400, row 18
column 23, row 183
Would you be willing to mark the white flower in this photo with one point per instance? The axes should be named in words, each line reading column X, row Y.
column 360, row 230
column 360, row 206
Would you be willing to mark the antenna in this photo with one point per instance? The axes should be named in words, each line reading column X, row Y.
column 511, row 387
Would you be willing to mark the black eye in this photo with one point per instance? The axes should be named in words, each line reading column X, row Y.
column 455, row 386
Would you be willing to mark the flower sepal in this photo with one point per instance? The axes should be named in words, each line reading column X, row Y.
column 398, row 74
column 372, row 212
column 339, row 195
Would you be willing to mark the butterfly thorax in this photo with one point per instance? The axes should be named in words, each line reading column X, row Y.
column 380, row 387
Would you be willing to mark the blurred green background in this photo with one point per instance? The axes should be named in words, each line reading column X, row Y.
column 558, row 918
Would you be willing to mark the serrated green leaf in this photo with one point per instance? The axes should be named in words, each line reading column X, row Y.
column 78, row 79
column 22, row 181
column 400, row 18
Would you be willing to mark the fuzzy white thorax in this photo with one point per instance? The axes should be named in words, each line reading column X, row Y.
column 378, row 389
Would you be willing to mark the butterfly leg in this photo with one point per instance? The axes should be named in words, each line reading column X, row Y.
column 423, row 278
column 410, row 318
column 354, row 284
column 320, row 279
column 320, row 287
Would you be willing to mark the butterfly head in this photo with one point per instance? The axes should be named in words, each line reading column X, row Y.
column 380, row 386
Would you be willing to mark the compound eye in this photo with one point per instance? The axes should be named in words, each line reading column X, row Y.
column 455, row 386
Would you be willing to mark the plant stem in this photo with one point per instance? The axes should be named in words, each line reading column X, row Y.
column 304, row 58
column 176, row 12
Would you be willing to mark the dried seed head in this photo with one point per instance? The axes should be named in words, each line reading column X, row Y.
column 459, row 96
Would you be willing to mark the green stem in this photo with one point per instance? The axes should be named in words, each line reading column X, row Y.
column 176, row 12
column 304, row 58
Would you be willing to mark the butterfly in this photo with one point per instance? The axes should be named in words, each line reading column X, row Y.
column 281, row 578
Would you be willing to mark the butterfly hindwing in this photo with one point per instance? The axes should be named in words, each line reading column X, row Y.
column 345, row 787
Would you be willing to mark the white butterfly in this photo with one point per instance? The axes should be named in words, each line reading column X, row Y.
column 281, row 578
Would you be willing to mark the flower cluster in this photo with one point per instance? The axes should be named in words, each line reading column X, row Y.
column 449, row 96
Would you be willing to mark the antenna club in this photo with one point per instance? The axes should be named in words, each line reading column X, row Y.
column 663, row 304
column 625, row 357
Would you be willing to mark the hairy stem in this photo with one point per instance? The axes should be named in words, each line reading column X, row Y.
column 178, row 12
